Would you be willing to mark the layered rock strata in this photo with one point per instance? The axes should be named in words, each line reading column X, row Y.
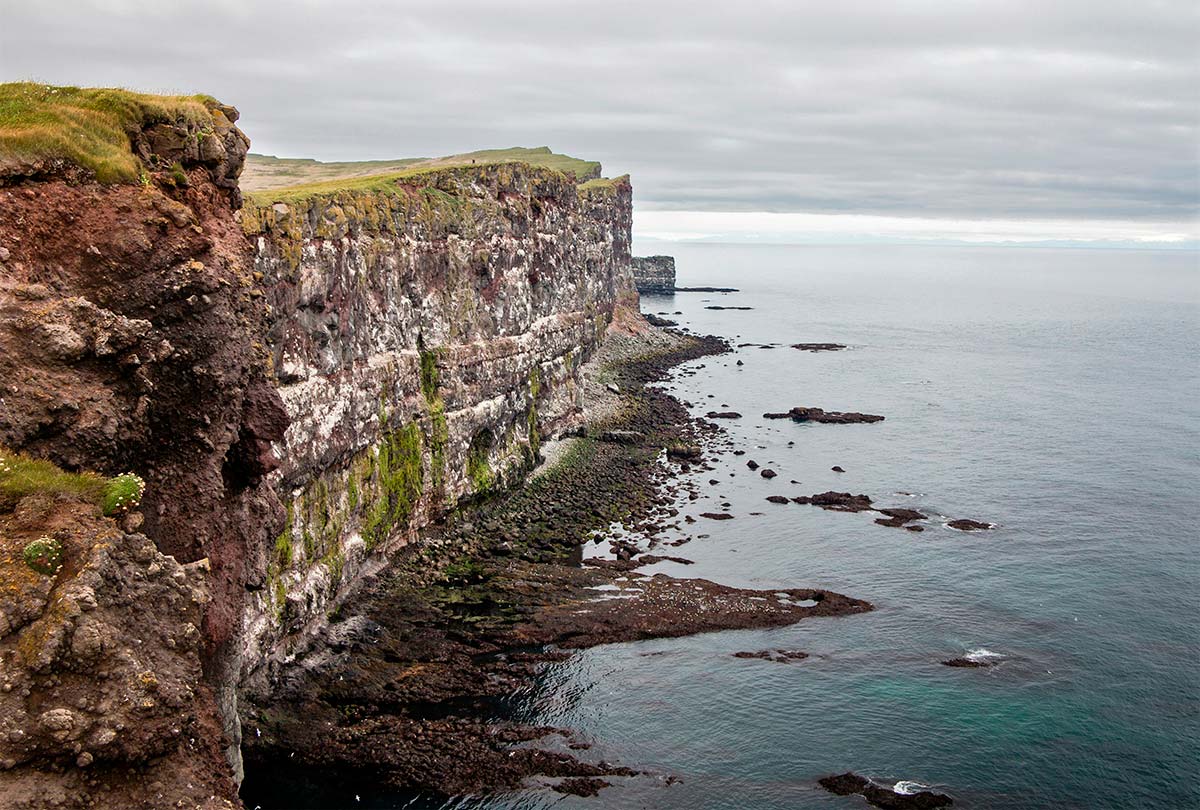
column 654, row 275
column 303, row 384
column 425, row 334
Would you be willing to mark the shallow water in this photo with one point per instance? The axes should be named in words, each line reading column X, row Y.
column 1052, row 392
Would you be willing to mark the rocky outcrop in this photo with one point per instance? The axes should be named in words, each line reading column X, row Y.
column 131, row 338
column 425, row 334
column 799, row 414
column 901, row 796
column 654, row 275
column 101, row 704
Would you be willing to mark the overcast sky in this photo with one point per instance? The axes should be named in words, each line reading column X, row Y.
column 1072, row 111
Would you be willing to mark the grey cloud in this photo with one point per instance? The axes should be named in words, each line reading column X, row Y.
column 964, row 109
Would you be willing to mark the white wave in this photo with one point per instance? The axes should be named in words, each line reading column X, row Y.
column 981, row 654
column 906, row 787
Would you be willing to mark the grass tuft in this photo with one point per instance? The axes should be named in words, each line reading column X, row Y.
column 122, row 493
column 88, row 126
column 44, row 555
column 21, row 476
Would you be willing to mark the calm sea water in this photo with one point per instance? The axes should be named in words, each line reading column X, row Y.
column 1053, row 392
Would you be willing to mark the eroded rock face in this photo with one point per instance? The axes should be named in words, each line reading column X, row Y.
column 419, row 339
column 426, row 335
column 100, row 697
column 654, row 275
column 131, row 338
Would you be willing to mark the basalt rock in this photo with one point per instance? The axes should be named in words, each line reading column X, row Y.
column 622, row 436
column 818, row 347
column 966, row 525
column 837, row 501
column 820, row 416
column 778, row 656
column 847, row 784
column 103, row 696
column 899, row 517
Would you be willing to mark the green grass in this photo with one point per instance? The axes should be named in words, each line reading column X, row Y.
column 87, row 126
column 597, row 183
column 21, row 476
column 121, row 493
column 266, row 171
column 44, row 555
column 370, row 179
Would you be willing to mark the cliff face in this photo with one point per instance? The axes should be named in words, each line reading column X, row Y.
column 654, row 274
column 426, row 335
column 303, row 384
column 131, row 339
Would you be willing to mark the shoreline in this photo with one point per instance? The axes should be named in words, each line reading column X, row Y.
column 401, row 692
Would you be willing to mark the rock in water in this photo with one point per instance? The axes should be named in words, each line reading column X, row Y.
column 799, row 414
column 818, row 347
column 837, row 501
column 848, row 783
column 965, row 525
column 899, row 517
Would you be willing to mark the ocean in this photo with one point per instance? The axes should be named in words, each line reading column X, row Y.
column 1052, row 392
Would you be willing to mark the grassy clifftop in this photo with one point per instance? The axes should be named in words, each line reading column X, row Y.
column 269, row 179
column 264, row 172
column 90, row 127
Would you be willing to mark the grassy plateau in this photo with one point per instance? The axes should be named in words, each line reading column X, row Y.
column 87, row 126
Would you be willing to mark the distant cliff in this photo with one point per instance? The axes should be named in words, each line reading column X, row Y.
column 654, row 275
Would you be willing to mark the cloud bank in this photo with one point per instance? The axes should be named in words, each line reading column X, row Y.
column 969, row 111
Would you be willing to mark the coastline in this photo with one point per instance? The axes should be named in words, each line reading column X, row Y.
column 400, row 694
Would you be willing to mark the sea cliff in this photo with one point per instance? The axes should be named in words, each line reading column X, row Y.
column 426, row 334
column 303, row 383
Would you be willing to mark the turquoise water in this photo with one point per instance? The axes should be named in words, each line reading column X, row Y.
column 1053, row 392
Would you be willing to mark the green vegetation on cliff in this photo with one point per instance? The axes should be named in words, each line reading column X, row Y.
column 90, row 127
column 21, row 476
column 271, row 179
